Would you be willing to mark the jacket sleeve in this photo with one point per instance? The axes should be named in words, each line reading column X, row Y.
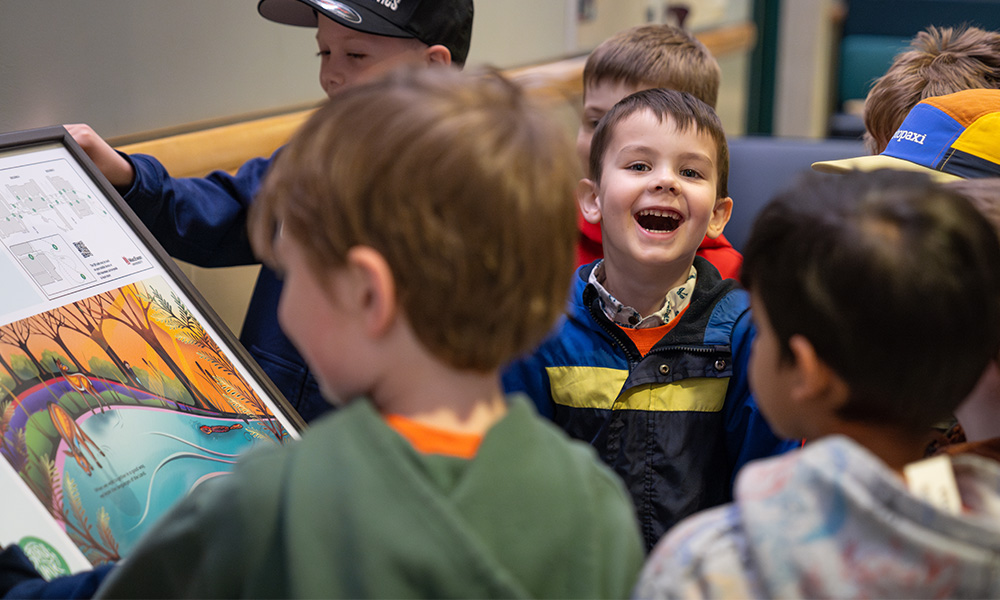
column 748, row 436
column 19, row 579
column 201, row 220
column 527, row 375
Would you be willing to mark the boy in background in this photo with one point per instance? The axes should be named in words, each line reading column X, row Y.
column 203, row 220
column 939, row 61
column 429, row 482
column 950, row 138
column 640, row 58
column 877, row 302
column 648, row 365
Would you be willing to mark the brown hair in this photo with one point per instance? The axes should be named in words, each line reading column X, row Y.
column 463, row 185
column 939, row 61
column 655, row 56
column 686, row 111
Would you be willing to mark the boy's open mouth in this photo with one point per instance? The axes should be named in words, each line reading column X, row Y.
column 657, row 221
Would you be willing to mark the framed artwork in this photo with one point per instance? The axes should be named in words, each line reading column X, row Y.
column 120, row 389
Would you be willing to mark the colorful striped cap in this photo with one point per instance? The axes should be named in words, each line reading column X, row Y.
column 954, row 137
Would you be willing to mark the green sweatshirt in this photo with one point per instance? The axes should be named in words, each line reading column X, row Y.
column 352, row 510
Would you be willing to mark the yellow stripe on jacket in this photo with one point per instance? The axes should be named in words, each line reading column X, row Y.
column 601, row 388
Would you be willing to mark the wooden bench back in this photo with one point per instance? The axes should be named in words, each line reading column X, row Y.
column 226, row 147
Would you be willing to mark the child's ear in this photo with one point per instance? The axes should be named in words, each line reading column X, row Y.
column 374, row 290
column 438, row 55
column 815, row 387
column 586, row 197
column 720, row 216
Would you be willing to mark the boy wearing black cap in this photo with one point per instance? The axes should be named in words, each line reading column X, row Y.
column 203, row 220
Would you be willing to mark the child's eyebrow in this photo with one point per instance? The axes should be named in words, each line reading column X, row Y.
column 638, row 148
column 645, row 149
column 698, row 156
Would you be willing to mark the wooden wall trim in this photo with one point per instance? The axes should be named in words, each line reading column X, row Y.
column 226, row 147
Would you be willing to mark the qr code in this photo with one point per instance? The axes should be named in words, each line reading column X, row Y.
column 82, row 249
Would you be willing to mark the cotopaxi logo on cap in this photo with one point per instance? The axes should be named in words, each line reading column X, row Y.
column 341, row 10
column 912, row 136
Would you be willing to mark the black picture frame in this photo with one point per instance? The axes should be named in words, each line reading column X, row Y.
column 200, row 384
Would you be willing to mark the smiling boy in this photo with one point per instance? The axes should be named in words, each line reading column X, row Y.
column 649, row 364
column 639, row 58
column 656, row 194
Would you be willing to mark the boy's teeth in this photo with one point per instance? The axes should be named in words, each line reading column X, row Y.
column 657, row 220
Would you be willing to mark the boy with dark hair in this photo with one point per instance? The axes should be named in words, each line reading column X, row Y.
column 429, row 482
column 953, row 139
column 648, row 365
column 640, row 58
column 877, row 302
column 203, row 220
column 939, row 61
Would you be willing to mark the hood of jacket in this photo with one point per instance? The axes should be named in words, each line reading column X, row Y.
column 716, row 304
column 832, row 520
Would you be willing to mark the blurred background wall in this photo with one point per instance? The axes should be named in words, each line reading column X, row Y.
column 129, row 67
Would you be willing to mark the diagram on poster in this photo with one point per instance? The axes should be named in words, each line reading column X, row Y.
column 115, row 406
column 120, row 391
column 54, row 226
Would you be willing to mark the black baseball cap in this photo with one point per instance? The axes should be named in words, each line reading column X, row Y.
column 444, row 22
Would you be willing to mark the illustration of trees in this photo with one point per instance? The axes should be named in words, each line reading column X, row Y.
column 49, row 325
column 135, row 313
column 50, row 361
column 10, row 371
column 17, row 334
column 84, row 317
column 24, row 367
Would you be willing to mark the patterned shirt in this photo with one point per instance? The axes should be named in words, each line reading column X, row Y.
column 674, row 303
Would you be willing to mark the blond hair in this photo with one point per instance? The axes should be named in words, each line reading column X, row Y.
column 939, row 61
column 465, row 188
column 655, row 56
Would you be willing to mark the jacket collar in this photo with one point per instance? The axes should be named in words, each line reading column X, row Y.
column 709, row 289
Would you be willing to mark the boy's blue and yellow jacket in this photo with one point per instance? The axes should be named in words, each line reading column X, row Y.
column 675, row 424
